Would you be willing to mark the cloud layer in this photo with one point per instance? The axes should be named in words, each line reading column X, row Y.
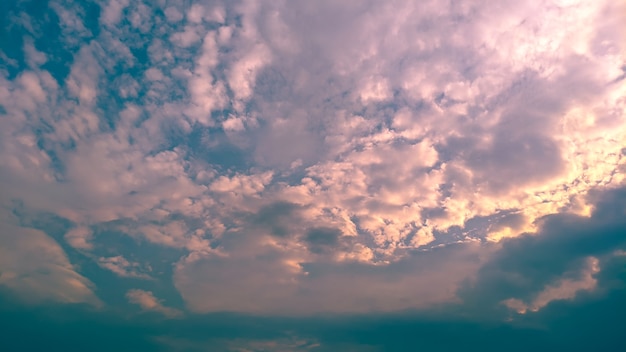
column 295, row 158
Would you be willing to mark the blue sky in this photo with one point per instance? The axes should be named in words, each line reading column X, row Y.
column 312, row 175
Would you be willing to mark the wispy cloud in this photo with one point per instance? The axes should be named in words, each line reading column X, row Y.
column 124, row 268
column 147, row 302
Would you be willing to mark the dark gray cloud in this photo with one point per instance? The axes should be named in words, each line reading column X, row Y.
column 594, row 325
column 525, row 265
column 322, row 239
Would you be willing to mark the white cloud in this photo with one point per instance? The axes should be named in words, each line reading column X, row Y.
column 279, row 284
column 195, row 13
column 80, row 238
column 173, row 14
column 186, row 38
column 34, row 57
column 71, row 22
column 36, row 269
column 383, row 125
column 147, row 302
column 123, row 268
column 140, row 17
column 113, row 12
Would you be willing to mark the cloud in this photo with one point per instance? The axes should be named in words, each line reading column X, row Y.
column 113, row 12
column 309, row 156
column 275, row 276
column 565, row 258
column 562, row 289
column 35, row 268
column 80, row 238
column 122, row 267
column 147, row 302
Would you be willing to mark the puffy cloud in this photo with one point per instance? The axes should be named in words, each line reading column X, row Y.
column 80, row 238
column 113, row 12
column 319, row 143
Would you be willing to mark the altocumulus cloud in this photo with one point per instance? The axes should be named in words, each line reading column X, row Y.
column 312, row 175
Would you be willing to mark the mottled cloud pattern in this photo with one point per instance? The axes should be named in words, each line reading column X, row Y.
column 296, row 158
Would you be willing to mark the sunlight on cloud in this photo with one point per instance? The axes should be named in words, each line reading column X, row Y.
column 563, row 289
column 308, row 156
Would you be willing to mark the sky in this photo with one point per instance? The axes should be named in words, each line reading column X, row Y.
column 356, row 175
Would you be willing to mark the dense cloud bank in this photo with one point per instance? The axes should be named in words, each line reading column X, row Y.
column 461, row 161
